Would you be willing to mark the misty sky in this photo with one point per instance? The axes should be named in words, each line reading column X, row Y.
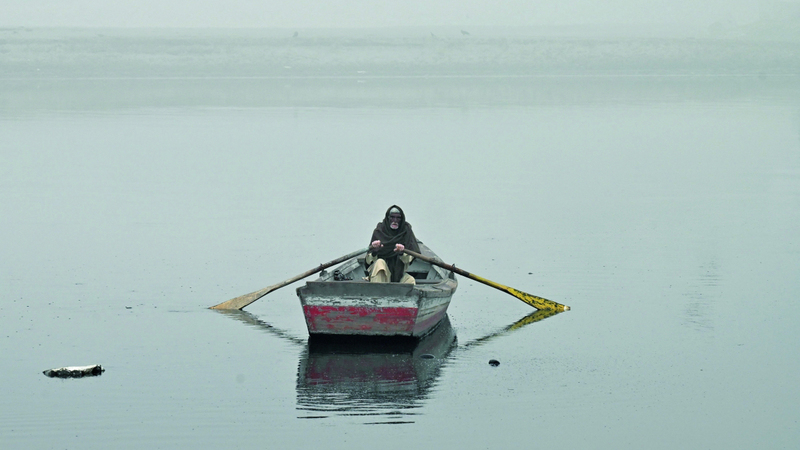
column 369, row 13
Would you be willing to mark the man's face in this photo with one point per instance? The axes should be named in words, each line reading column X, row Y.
column 394, row 220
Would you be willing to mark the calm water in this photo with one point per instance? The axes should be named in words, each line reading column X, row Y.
column 663, row 210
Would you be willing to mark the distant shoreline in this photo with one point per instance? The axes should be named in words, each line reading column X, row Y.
column 80, row 53
column 774, row 28
column 88, row 69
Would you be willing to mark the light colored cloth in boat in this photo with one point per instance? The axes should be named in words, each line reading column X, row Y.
column 379, row 271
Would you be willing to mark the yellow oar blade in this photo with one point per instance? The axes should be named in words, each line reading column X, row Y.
column 537, row 302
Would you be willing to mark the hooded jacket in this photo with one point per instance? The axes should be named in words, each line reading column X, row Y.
column 389, row 237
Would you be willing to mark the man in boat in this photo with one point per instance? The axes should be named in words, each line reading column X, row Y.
column 385, row 259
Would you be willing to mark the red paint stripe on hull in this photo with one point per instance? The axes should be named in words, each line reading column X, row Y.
column 360, row 319
column 424, row 325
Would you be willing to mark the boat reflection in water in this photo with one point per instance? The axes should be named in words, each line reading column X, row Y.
column 373, row 380
column 381, row 378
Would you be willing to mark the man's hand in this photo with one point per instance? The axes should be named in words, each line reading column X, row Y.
column 376, row 244
column 399, row 247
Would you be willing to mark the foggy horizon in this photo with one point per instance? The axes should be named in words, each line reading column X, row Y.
column 309, row 14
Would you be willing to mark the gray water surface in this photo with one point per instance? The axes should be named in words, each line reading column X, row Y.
column 662, row 208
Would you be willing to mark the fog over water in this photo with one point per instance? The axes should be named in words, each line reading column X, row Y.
column 650, row 183
column 360, row 13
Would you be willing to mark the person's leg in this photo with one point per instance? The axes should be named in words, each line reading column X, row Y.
column 408, row 279
column 379, row 272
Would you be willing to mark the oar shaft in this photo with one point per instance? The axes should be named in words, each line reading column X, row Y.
column 533, row 300
column 322, row 267
column 244, row 300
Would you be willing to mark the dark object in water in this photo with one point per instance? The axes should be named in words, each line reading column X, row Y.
column 75, row 372
column 427, row 356
column 494, row 362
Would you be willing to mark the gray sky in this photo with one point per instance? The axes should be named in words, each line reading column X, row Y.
column 369, row 13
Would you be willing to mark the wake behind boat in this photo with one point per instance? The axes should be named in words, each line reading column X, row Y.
column 343, row 302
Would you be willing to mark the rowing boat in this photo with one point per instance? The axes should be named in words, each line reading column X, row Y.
column 343, row 302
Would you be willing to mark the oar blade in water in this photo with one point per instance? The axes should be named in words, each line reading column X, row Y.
column 244, row 300
column 537, row 302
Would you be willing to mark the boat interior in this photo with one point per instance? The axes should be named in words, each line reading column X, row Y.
column 356, row 270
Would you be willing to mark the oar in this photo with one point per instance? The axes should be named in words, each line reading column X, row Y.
column 244, row 300
column 536, row 302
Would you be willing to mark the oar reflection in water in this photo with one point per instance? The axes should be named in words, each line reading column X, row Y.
column 535, row 316
column 375, row 381
column 255, row 322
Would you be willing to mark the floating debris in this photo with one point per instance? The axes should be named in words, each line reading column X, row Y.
column 75, row 372
column 494, row 362
column 427, row 356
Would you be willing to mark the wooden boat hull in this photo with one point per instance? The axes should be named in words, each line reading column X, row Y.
column 357, row 307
